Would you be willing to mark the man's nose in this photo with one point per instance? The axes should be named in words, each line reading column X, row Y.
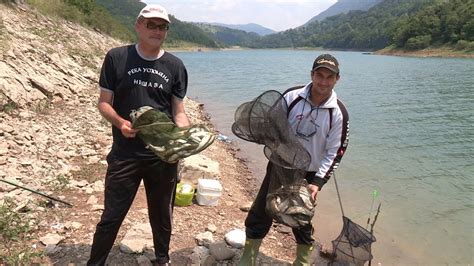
column 324, row 82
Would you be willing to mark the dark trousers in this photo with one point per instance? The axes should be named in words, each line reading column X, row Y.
column 121, row 185
column 258, row 222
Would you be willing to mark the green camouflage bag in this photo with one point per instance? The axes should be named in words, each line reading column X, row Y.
column 169, row 142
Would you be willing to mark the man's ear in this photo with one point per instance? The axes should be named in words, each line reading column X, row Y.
column 137, row 23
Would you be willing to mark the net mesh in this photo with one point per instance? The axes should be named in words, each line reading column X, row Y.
column 353, row 245
column 290, row 203
column 265, row 121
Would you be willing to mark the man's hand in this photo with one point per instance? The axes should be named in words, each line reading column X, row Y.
column 179, row 115
column 314, row 191
column 127, row 130
column 107, row 111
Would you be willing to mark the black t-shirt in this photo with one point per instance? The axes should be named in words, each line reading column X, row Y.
column 137, row 82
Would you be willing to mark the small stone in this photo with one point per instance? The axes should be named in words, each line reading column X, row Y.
column 235, row 238
column 204, row 239
column 246, row 207
column 51, row 239
column 211, row 228
column 97, row 207
column 92, row 200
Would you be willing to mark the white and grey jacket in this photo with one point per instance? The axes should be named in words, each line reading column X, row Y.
column 328, row 144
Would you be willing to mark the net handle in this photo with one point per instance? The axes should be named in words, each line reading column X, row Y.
column 338, row 195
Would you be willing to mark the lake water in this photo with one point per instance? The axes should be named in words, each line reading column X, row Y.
column 411, row 139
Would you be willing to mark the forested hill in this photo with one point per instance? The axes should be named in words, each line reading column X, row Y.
column 405, row 24
column 181, row 33
column 250, row 28
column 228, row 36
column 116, row 18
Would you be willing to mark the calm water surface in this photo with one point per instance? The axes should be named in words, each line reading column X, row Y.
column 411, row 139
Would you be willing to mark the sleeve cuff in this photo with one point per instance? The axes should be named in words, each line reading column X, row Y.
column 318, row 181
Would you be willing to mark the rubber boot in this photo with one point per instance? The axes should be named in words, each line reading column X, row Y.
column 303, row 253
column 249, row 257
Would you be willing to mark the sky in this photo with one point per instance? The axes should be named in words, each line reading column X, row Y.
column 277, row 15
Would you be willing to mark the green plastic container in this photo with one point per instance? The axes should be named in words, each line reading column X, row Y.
column 184, row 198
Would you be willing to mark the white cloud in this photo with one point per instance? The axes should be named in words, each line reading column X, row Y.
column 298, row 2
column 275, row 14
column 221, row 5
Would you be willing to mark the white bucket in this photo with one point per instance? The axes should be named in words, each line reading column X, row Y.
column 208, row 192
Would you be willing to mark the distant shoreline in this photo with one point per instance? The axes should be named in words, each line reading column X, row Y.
column 202, row 49
column 431, row 52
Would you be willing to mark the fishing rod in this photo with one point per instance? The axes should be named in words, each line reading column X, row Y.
column 372, row 230
column 375, row 194
column 37, row 192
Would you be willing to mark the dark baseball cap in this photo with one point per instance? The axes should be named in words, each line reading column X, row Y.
column 327, row 61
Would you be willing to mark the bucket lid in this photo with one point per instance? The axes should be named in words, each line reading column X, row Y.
column 209, row 184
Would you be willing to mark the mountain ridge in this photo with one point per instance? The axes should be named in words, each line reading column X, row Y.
column 249, row 27
column 344, row 6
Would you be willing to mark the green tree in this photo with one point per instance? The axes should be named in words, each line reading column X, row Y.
column 85, row 6
column 418, row 42
column 468, row 30
column 372, row 29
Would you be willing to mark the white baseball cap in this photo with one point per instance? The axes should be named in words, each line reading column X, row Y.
column 154, row 11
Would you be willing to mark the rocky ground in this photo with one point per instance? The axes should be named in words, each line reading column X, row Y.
column 63, row 234
column 53, row 140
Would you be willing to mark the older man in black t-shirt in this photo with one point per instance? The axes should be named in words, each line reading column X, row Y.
column 142, row 74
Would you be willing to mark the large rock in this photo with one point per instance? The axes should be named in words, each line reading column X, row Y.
column 137, row 239
column 200, row 253
column 18, row 91
column 198, row 166
column 220, row 251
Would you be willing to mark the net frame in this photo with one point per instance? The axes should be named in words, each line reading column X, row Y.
column 264, row 120
column 348, row 240
column 353, row 245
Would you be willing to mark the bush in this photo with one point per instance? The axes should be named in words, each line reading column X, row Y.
column 418, row 42
column 86, row 13
column 8, row 107
column 14, row 229
column 464, row 45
